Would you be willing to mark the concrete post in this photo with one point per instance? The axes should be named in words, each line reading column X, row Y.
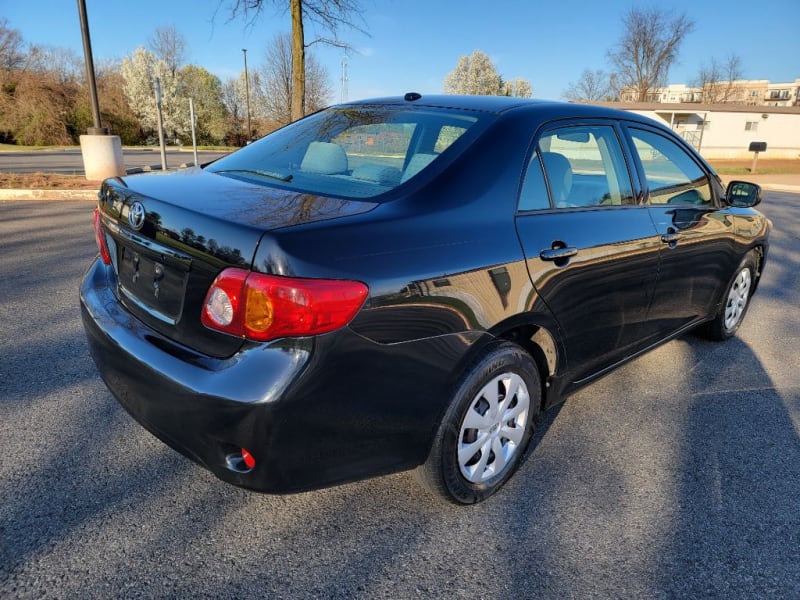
column 102, row 156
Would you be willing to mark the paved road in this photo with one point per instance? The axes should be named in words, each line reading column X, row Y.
column 676, row 476
column 70, row 162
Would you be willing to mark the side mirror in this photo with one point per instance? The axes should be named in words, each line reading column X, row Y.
column 743, row 194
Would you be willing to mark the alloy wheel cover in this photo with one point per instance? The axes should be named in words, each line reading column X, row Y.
column 493, row 428
column 737, row 299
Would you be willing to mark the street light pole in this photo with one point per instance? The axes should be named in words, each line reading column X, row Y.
column 101, row 153
column 98, row 129
column 247, row 94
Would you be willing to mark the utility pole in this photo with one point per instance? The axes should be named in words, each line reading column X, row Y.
column 247, row 95
column 344, row 78
column 160, row 126
column 98, row 129
column 194, row 134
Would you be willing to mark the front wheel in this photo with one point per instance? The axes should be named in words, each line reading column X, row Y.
column 486, row 427
column 736, row 301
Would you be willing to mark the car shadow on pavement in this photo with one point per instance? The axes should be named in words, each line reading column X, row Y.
column 689, row 487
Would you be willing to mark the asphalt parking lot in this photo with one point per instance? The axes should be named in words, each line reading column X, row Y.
column 677, row 475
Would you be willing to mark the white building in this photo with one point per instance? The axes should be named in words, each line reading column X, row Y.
column 726, row 130
column 750, row 92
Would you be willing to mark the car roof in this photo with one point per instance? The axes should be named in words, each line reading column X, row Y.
column 499, row 105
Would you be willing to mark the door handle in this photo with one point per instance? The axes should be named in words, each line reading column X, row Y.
column 670, row 238
column 558, row 253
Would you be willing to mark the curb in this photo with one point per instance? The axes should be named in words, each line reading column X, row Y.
column 780, row 187
column 48, row 195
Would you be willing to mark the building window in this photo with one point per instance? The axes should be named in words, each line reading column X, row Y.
column 704, row 125
column 751, row 126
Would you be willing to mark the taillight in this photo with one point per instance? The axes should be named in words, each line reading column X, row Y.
column 266, row 307
column 100, row 238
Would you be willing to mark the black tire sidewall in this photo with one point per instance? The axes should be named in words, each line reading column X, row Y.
column 719, row 331
column 503, row 358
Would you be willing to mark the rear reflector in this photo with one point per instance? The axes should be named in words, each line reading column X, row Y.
column 100, row 238
column 266, row 307
column 248, row 459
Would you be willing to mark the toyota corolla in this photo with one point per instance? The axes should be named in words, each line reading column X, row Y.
column 405, row 283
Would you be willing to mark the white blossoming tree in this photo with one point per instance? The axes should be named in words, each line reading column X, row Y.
column 140, row 71
column 475, row 75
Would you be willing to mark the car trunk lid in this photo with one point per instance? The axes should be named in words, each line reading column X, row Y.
column 170, row 235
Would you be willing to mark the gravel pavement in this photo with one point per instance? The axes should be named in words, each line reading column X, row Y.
column 677, row 476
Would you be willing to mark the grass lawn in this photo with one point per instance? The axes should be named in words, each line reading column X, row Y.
column 774, row 166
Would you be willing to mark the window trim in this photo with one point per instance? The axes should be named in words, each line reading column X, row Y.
column 627, row 126
column 628, row 159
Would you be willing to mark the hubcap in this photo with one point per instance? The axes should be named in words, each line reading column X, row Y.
column 493, row 428
column 737, row 299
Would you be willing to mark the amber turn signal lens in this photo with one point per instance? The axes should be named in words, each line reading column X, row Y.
column 259, row 312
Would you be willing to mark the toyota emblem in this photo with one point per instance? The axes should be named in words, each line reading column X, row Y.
column 136, row 215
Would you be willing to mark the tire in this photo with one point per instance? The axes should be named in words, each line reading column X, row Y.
column 735, row 301
column 486, row 428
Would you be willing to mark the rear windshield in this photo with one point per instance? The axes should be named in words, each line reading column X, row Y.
column 351, row 152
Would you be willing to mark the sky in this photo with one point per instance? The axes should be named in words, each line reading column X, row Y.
column 413, row 44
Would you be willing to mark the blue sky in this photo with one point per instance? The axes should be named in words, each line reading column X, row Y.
column 413, row 44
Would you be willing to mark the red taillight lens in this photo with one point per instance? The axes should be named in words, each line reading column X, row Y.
column 266, row 307
column 100, row 238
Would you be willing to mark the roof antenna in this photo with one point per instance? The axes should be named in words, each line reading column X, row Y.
column 411, row 96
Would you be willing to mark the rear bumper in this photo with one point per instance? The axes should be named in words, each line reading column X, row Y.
column 205, row 408
column 313, row 412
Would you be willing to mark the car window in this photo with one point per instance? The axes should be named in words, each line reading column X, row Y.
column 583, row 166
column 534, row 190
column 380, row 143
column 673, row 177
column 352, row 151
column 447, row 135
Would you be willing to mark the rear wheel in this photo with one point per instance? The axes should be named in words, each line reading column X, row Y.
column 486, row 428
column 735, row 301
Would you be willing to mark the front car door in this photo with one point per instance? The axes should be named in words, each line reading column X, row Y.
column 696, row 232
column 590, row 248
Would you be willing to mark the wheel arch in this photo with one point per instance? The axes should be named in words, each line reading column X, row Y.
column 538, row 337
column 760, row 251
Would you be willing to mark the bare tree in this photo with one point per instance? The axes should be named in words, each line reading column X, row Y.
column 62, row 63
column 169, row 45
column 331, row 15
column 648, row 48
column 233, row 98
column 717, row 80
column 593, row 86
column 274, row 85
column 39, row 92
column 11, row 54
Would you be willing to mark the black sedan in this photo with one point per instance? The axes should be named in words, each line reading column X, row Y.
column 405, row 283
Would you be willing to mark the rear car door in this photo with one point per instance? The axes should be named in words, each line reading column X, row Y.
column 589, row 247
column 696, row 233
